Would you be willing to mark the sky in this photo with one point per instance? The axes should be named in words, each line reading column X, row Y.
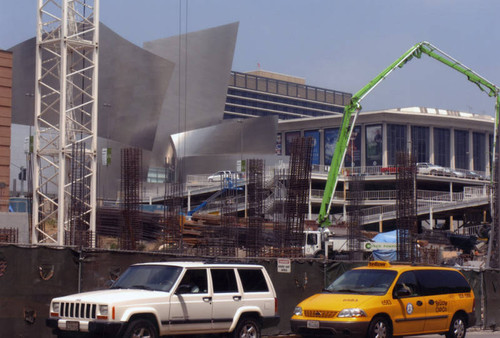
column 334, row 44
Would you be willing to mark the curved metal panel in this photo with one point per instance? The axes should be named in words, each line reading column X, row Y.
column 197, row 91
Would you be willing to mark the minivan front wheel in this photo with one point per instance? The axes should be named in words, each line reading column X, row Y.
column 457, row 327
column 247, row 328
column 379, row 328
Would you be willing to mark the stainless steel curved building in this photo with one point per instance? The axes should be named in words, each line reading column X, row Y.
column 175, row 85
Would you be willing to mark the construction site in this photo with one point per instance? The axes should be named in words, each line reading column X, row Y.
column 84, row 217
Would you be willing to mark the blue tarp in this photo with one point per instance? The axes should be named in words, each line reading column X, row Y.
column 385, row 237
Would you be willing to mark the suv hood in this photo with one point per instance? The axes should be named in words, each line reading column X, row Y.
column 113, row 296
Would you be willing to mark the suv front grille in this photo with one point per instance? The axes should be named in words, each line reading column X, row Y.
column 320, row 313
column 78, row 310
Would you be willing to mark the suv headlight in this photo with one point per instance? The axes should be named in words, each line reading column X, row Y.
column 56, row 307
column 103, row 310
column 346, row 313
column 297, row 311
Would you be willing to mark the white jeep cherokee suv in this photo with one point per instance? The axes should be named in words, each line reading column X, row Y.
column 171, row 298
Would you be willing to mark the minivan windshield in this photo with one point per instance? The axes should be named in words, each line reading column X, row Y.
column 364, row 281
column 148, row 277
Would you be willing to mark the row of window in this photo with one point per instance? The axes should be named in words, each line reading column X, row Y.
column 264, row 84
column 280, row 100
column 397, row 141
column 288, row 113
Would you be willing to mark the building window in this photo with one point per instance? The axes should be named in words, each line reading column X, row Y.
column 479, row 144
column 396, row 141
column 331, row 136
column 461, row 149
column 420, row 143
column 374, row 145
column 289, row 137
column 353, row 153
column 441, row 147
column 314, row 134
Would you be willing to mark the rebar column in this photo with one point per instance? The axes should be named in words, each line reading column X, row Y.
column 298, row 192
column 172, row 219
column 255, row 186
column 78, row 232
column 406, row 211
column 131, row 232
column 355, row 216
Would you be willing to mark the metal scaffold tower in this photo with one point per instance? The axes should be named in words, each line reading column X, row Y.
column 65, row 143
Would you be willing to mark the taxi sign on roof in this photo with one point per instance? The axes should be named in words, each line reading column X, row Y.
column 379, row 264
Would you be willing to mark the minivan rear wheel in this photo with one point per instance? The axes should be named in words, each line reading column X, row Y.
column 379, row 328
column 457, row 327
column 247, row 327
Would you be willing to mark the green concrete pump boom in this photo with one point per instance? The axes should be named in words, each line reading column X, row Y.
column 354, row 107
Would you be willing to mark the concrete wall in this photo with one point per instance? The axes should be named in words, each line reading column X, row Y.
column 31, row 276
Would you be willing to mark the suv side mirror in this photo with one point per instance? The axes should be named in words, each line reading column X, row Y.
column 184, row 288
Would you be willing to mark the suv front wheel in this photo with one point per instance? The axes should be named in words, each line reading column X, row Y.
column 141, row 328
column 248, row 327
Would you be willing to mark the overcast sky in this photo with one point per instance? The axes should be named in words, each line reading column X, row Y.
column 336, row 44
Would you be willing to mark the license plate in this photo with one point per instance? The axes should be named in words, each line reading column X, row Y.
column 313, row 324
column 73, row 326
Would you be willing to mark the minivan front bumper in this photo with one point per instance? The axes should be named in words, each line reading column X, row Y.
column 338, row 329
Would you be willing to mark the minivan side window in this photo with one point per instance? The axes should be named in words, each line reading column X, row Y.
column 224, row 280
column 253, row 280
column 408, row 281
column 437, row 282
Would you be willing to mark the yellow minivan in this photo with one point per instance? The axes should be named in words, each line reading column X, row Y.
column 384, row 300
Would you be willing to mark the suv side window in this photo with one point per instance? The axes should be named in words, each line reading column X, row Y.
column 224, row 280
column 253, row 280
column 194, row 281
column 408, row 281
column 438, row 282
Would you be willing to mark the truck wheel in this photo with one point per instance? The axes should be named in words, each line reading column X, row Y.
column 379, row 328
column 457, row 327
column 141, row 328
column 247, row 328
column 319, row 254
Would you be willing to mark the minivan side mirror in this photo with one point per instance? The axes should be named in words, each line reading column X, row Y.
column 402, row 292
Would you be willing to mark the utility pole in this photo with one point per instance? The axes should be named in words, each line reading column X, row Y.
column 65, row 142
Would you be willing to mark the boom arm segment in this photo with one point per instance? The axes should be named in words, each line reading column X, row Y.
column 354, row 107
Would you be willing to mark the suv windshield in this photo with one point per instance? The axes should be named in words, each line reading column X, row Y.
column 365, row 281
column 148, row 277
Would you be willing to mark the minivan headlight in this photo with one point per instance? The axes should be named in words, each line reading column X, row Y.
column 347, row 313
column 297, row 311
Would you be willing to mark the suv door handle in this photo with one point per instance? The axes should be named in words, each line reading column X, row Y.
column 237, row 298
column 207, row 299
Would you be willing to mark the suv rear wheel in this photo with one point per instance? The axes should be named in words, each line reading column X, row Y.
column 141, row 328
column 248, row 327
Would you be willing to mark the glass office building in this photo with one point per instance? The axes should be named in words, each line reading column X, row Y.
column 262, row 93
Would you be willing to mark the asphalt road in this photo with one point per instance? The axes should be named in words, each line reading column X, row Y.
column 471, row 334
